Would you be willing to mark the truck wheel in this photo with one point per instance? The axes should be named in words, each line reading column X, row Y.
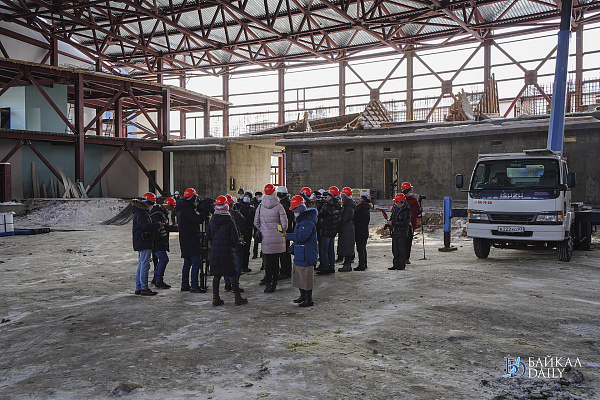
column 481, row 247
column 564, row 249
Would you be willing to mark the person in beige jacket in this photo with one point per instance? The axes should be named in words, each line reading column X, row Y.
column 269, row 214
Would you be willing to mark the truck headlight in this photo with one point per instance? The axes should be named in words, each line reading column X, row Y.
column 550, row 216
column 475, row 215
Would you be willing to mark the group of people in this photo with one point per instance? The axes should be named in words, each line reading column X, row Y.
column 304, row 225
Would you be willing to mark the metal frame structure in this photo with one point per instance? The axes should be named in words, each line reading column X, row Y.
column 126, row 98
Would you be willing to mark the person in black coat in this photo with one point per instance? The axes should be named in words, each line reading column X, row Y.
column 189, row 221
column 362, row 218
column 329, row 216
column 244, row 206
column 142, row 232
column 345, row 247
column 400, row 223
column 256, row 200
column 285, row 271
column 224, row 238
column 240, row 223
column 159, row 214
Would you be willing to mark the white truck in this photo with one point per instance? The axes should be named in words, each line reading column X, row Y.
column 523, row 199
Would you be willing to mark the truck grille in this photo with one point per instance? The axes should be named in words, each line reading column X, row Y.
column 512, row 218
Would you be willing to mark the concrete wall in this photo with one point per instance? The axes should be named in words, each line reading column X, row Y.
column 430, row 164
column 249, row 165
column 204, row 171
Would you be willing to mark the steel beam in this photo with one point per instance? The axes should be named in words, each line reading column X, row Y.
column 281, row 96
column 145, row 171
column 79, row 131
column 105, row 169
column 225, row 81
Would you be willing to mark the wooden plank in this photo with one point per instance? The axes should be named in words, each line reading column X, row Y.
column 82, row 190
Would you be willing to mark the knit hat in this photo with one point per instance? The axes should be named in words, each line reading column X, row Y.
column 258, row 194
column 300, row 208
column 241, row 191
column 222, row 207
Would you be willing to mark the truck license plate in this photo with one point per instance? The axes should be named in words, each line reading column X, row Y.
column 518, row 229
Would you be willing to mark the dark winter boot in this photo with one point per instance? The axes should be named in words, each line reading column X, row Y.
column 239, row 300
column 273, row 286
column 302, row 296
column 268, row 287
column 217, row 300
column 345, row 268
column 308, row 301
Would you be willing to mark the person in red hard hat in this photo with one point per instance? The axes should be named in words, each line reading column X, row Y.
column 329, row 216
column 142, row 233
column 345, row 248
column 224, row 237
column 189, row 221
column 159, row 214
column 416, row 208
column 306, row 250
column 400, row 223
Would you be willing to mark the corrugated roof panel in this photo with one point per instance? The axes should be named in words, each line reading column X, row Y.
column 525, row 7
column 257, row 9
column 280, row 48
column 363, row 38
column 190, row 20
column 324, row 17
column 491, row 12
column 435, row 28
column 342, row 38
column 282, row 25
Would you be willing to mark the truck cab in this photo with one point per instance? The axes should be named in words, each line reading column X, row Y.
column 520, row 198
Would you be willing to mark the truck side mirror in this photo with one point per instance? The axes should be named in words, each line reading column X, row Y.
column 571, row 180
column 459, row 181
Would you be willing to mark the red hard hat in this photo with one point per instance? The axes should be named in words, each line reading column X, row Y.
column 170, row 201
column 269, row 189
column 189, row 192
column 334, row 191
column 347, row 191
column 399, row 197
column 306, row 191
column 219, row 201
column 406, row 185
column 229, row 198
column 296, row 201
column 149, row 196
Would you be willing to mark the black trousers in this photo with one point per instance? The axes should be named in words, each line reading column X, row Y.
column 271, row 267
column 286, row 261
column 409, row 240
column 399, row 251
column 361, row 249
column 246, row 253
column 234, row 284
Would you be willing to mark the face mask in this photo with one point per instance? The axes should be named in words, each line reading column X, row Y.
column 246, row 199
column 296, row 215
column 259, row 198
column 240, row 197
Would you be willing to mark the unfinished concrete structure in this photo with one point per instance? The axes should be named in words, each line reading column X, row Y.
column 429, row 155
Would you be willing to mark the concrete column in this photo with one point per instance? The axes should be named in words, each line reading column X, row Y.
column 578, row 66
column 226, row 78
column 409, row 85
column 342, row 88
column 79, row 130
column 207, row 118
column 280, row 96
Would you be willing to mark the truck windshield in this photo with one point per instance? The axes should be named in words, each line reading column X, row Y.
column 516, row 174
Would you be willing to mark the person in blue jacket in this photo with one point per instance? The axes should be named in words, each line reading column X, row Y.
column 306, row 249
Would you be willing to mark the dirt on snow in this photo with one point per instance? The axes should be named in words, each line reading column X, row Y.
column 72, row 328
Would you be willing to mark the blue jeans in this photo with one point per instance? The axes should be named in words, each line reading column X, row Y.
column 141, row 276
column 239, row 261
column 161, row 265
column 195, row 262
column 328, row 253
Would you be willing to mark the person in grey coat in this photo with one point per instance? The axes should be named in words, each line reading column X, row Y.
column 346, row 232
column 267, row 216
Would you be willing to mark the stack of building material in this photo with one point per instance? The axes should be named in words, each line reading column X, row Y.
column 461, row 109
column 489, row 105
column 374, row 116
